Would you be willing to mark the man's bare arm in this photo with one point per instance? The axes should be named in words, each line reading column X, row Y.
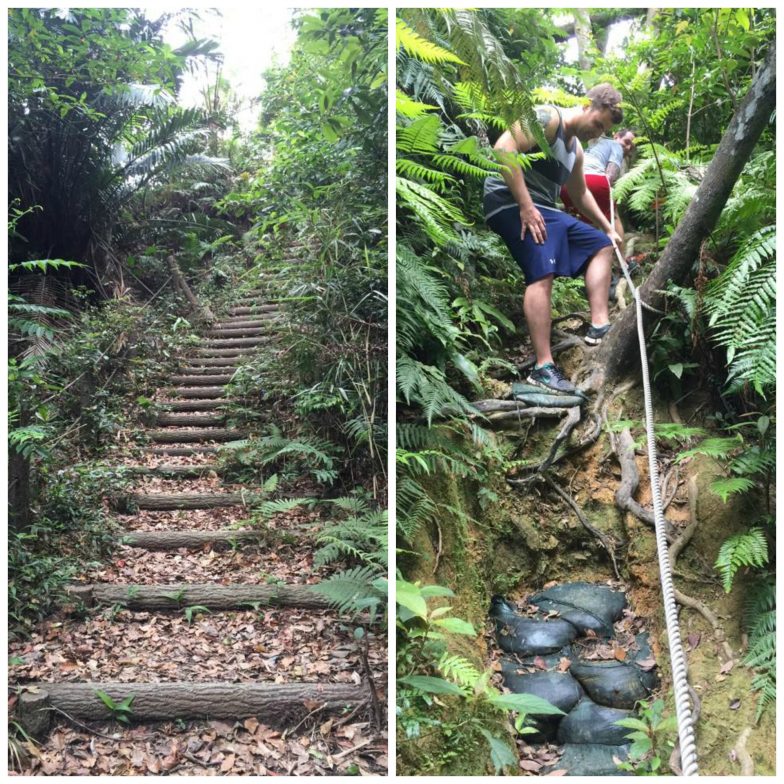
column 509, row 144
column 613, row 172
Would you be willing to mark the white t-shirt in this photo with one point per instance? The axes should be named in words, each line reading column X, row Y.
column 603, row 152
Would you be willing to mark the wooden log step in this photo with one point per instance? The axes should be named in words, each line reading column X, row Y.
column 178, row 436
column 242, row 323
column 190, row 420
column 182, row 451
column 214, row 596
column 229, row 364
column 199, row 392
column 203, row 381
column 236, row 342
column 224, row 352
column 235, row 332
column 276, row 704
column 253, row 310
column 161, row 502
column 209, row 404
column 167, row 471
column 198, row 370
column 173, row 540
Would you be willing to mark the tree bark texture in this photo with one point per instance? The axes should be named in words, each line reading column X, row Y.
column 182, row 285
column 236, row 342
column 224, row 352
column 203, row 381
column 618, row 350
column 190, row 420
column 236, row 332
column 272, row 703
column 160, row 502
column 209, row 404
column 199, row 392
column 200, row 434
column 173, row 540
column 183, row 451
column 214, row 596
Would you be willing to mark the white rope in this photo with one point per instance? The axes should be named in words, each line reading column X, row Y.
column 680, row 684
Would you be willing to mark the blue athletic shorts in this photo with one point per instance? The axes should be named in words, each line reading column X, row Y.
column 569, row 246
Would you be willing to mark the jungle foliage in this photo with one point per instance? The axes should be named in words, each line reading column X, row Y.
column 462, row 77
column 109, row 178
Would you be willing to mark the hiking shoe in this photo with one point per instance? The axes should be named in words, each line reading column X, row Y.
column 594, row 335
column 551, row 378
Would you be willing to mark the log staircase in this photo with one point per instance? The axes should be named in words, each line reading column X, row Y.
column 190, row 425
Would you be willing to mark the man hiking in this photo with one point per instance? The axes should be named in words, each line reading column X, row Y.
column 545, row 241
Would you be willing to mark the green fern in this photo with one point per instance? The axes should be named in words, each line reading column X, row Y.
column 749, row 548
column 354, row 590
column 459, row 670
column 760, row 625
column 741, row 305
column 421, row 48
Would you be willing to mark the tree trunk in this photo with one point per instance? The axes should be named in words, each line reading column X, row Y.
column 190, row 420
column 182, row 284
column 202, row 381
column 183, row 451
column 201, row 393
column 272, row 703
column 209, row 404
column 211, row 595
column 173, row 540
column 172, row 471
column 616, row 353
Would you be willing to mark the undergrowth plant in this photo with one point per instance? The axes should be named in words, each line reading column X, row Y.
column 424, row 636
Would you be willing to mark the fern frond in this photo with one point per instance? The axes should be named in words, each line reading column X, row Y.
column 749, row 548
column 421, row 48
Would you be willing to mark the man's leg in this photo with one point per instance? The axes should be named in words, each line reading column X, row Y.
column 597, row 285
column 537, row 308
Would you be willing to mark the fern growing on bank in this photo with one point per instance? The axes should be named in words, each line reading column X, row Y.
column 747, row 549
column 760, row 624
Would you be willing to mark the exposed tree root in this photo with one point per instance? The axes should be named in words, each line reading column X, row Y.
column 743, row 756
column 689, row 601
column 603, row 540
column 570, row 341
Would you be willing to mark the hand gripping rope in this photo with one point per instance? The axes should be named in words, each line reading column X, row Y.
column 680, row 684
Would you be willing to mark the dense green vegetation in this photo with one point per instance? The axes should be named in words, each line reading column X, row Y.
column 111, row 182
column 462, row 77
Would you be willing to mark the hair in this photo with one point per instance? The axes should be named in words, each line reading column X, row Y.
column 624, row 131
column 605, row 96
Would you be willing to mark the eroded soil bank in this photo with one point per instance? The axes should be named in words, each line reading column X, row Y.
column 523, row 540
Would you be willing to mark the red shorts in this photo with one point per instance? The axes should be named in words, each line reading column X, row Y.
column 599, row 186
